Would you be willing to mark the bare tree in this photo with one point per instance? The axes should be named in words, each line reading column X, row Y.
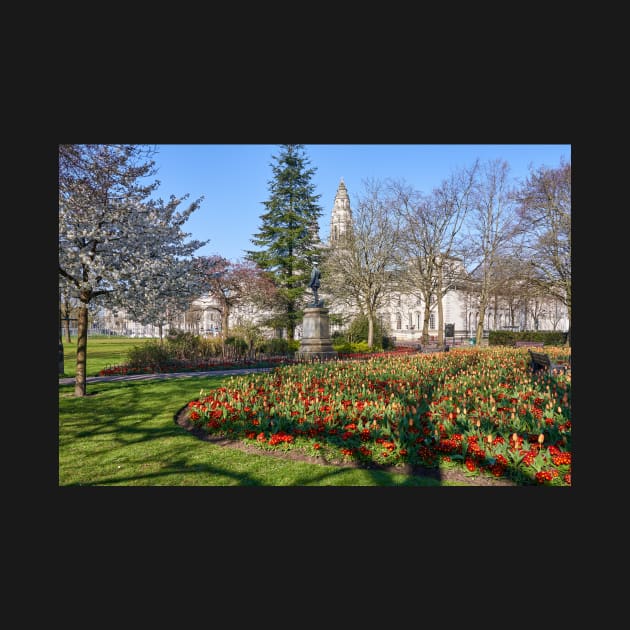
column 511, row 288
column 452, row 205
column 554, row 312
column 420, row 251
column 430, row 227
column 545, row 213
column 491, row 232
column 362, row 268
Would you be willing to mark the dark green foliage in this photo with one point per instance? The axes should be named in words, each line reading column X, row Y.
column 288, row 235
column 236, row 347
column 278, row 346
column 358, row 331
column 178, row 348
column 152, row 354
column 508, row 337
column 345, row 347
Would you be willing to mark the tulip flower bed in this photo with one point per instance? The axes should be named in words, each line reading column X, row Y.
column 479, row 410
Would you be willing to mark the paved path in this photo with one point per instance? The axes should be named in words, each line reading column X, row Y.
column 146, row 377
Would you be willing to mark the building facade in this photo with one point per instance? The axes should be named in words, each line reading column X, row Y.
column 402, row 318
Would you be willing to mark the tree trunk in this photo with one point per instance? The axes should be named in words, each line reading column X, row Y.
column 425, row 324
column 225, row 322
column 479, row 332
column 80, row 383
column 291, row 312
column 60, row 359
column 160, row 329
column 370, row 338
column 225, row 318
column 569, row 318
column 67, row 320
column 440, row 309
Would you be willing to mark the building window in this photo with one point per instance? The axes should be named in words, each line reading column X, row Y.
column 398, row 321
column 410, row 320
column 399, row 301
column 418, row 322
column 432, row 321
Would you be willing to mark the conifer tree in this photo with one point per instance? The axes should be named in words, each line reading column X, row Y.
column 288, row 238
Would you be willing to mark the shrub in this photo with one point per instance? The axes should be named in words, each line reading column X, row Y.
column 508, row 337
column 345, row 347
column 211, row 347
column 358, row 331
column 152, row 354
column 235, row 347
column 184, row 346
column 276, row 346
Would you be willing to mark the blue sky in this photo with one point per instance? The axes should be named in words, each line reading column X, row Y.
column 234, row 178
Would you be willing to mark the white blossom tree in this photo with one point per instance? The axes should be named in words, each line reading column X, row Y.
column 116, row 242
column 161, row 297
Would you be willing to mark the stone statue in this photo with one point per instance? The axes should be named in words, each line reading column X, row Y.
column 315, row 343
column 314, row 284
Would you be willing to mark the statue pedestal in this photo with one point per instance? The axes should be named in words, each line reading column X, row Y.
column 315, row 342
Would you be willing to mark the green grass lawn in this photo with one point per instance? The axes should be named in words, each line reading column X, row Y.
column 101, row 352
column 124, row 434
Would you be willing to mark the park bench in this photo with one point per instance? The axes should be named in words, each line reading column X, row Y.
column 541, row 361
column 531, row 344
column 432, row 347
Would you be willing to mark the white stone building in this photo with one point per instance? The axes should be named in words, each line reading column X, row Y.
column 403, row 317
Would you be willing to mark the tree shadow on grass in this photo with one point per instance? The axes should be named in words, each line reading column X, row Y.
column 178, row 467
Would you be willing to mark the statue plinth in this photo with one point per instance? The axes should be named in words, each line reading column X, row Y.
column 315, row 342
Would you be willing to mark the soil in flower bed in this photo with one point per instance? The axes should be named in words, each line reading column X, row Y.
column 450, row 475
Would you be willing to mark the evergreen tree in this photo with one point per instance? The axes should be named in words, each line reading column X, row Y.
column 289, row 237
